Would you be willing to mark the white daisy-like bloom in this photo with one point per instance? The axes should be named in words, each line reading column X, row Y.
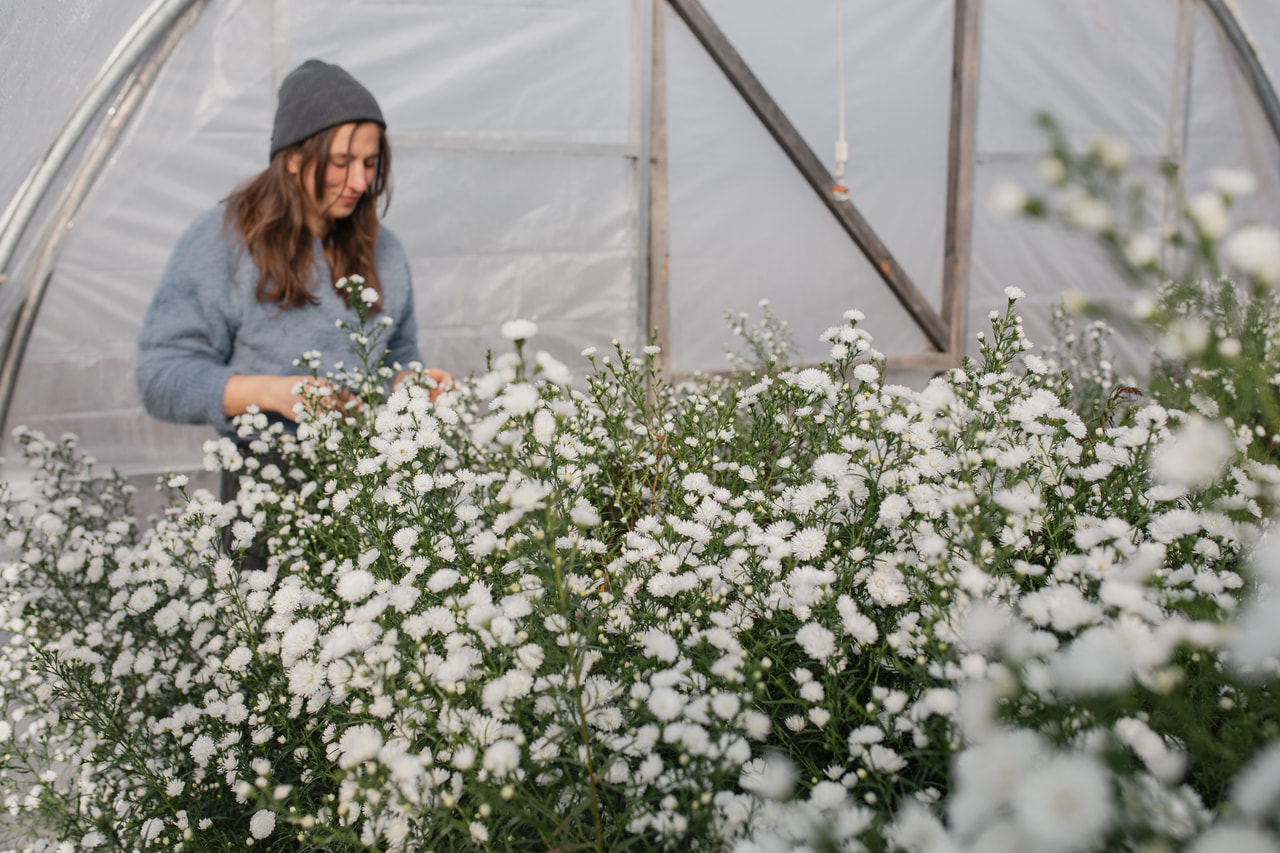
column 1142, row 249
column 443, row 579
column 726, row 705
column 404, row 539
column 893, row 509
column 357, row 745
column 1210, row 214
column 1089, row 213
column 884, row 759
column 1255, row 639
column 1014, row 293
column 1112, row 152
column 355, row 586
column 306, row 678
column 1235, row 838
column 660, row 645
column 868, row 373
column 263, row 822
column 914, row 827
column 501, row 758
column 464, row 758
column 809, row 543
column 665, row 703
column 520, row 399
column 773, row 777
column 554, row 371
column 1164, row 763
column 519, row 330
column 1256, row 791
column 143, row 599
column 202, row 749
column 805, row 498
column 856, row 624
column 544, row 427
column 1234, row 183
column 813, row 380
column 818, row 642
column 1065, row 805
column 1006, row 199
column 584, row 513
column 1098, row 661
column 1255, row 250
column 236, row 661
column 989, row 773
column 886, row 587
column 151, row 829
column 756, row 724
column 1035, row 364
column 479, row 832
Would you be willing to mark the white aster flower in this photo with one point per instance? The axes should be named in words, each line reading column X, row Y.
column 817, row 642
column 501, row 758
column 519, row 330
column 1112, row 152
column 354, row 586
column 1233, row 183
column 1210, row 214
column 1006, row 199
column 263, row 822
column 1235, row 838
column 1195, row 455
column 306, row 678
column 665, row 703
column 1255, row 250
column 1089, row 213
column 357, row 745
column 1142, row 250
column 520, row 399
column 151, row 829
column 1256, row 791
column 773, row 777
column 659, row 644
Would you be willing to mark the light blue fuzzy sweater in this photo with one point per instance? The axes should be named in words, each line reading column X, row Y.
column 206, row 325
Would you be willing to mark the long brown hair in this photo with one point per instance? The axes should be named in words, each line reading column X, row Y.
column 269, row 212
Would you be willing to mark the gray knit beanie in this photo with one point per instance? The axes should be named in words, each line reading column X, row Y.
column 316, row 96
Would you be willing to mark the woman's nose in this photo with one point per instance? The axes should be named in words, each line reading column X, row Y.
column 358, row 178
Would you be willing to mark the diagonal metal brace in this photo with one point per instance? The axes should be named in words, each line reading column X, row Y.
column 779, row 126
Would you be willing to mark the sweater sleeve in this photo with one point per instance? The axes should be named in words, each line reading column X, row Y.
column 402, row 339
column 189, row 331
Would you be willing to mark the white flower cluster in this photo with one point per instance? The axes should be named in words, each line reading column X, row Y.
column 761, row 613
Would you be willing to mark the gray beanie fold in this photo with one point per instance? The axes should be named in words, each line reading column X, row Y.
column 317, row 96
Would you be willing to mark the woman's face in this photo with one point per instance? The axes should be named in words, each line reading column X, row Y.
column 351, row 167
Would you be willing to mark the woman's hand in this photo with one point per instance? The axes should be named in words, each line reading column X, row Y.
column 433, row 379
column 275, row 394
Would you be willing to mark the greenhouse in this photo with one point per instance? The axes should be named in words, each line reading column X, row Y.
column 860, row 427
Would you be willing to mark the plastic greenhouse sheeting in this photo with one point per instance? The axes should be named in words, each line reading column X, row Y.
column 520, row 142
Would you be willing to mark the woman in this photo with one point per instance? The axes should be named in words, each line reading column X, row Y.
column 251, row 284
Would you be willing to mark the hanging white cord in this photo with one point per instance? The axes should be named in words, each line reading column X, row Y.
column 840, row 191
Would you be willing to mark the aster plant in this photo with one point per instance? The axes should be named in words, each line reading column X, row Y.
column 794, row 608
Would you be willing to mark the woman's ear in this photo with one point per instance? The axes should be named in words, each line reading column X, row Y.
column 293, row 162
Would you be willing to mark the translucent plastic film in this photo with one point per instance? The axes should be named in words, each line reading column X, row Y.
column 745, row 225
column 514, row 189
